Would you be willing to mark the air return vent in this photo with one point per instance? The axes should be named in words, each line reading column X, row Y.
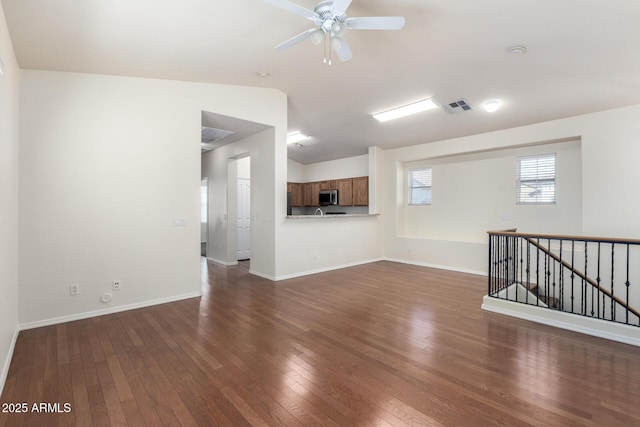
column 209, row 135
column 455, row 107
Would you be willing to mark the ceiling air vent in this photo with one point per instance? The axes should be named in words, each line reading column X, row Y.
column 455, row 107
column 209, row 135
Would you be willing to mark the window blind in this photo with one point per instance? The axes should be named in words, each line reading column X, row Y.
column 536, row 182
column 420, row 186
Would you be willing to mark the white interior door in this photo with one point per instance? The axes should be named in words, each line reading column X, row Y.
column 244, row 218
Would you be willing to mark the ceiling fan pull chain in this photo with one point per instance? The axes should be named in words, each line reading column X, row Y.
column 324, row 50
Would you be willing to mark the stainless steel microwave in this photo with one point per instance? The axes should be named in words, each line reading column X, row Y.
column 328, row 197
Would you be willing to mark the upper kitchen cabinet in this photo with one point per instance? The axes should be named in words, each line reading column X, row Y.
column 345, row 192
column 296, row 190
column 329, row 185
column 361, row 191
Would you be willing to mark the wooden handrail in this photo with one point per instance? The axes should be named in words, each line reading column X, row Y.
column 582, row 275
column 513, row 233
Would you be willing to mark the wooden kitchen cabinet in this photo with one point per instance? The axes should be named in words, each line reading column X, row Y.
column 329, row 185
column 295, row 189
column 361, row 191
column 351, row 192
column 307, row 198
column 345, row 192
column 315, row 192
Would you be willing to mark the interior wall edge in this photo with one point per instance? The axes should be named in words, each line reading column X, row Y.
column 7, row 362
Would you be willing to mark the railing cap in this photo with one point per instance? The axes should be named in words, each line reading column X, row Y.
column 513, row 233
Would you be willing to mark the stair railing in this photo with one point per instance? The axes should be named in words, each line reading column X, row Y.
column 587, row 276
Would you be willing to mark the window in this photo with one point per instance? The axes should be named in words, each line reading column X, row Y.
column 420, row 186
column 536, row 180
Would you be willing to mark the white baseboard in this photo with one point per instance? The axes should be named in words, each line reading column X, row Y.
column 112, row 310
column 322, row 270
column 7, row 361
column 369, row 261
column 225, row 263
column 264, row 276
column 585, row 325
column 439, row 267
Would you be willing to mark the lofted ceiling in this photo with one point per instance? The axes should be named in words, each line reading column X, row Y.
column 582, row 56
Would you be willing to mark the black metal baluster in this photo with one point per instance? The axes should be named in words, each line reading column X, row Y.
column 521, row 240
column 538, row 269
column 627, row 284
column 598, row 282
column 547, row 273
column 613, row 311
column 489, row 269
column 505, row 266
column 555, row 294
column 573, row 274
column 500, row 273
column 497, row 262
column 561, row 281
column 529, row 266
column 583, row 297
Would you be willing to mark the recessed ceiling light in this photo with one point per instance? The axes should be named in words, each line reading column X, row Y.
column 405, row 110
column 517, row 50
column 491, row 106
column 263, row 74
column 1, row 68
column 294, row 137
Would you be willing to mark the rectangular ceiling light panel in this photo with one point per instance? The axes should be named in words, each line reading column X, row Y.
column 406, row 110
column 292, row 138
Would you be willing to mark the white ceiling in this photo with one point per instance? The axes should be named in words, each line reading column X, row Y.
column 582, row 56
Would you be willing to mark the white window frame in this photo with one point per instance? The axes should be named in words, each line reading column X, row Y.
column 539, row 175
column 428, row 185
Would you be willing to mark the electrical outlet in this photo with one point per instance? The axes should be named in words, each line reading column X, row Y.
column 74, row 290
column 116, row 285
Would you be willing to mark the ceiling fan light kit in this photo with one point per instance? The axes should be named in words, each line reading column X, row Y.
column 332, row 25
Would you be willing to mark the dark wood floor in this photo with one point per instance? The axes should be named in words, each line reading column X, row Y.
column 380, row 344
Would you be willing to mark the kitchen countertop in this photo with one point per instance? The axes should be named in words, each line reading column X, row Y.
column 329, row 216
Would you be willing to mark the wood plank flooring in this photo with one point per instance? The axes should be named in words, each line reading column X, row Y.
column 379, row 344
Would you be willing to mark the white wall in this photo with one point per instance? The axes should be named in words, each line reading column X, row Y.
column 337, row 169
column 314, row 245
column 244, row 168
column 349, row 167
column 295, row 171
column 473, row 193
column 107, row 166
column 8, row 200
column 310, row 245
column 609, row 175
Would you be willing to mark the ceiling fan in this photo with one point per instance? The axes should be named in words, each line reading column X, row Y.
column 332, row 25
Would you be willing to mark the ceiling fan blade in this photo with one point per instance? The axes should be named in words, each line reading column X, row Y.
column 375, row 23
column 292, row 7
column 295, row 39
column 340, row 6
column 344, row 53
